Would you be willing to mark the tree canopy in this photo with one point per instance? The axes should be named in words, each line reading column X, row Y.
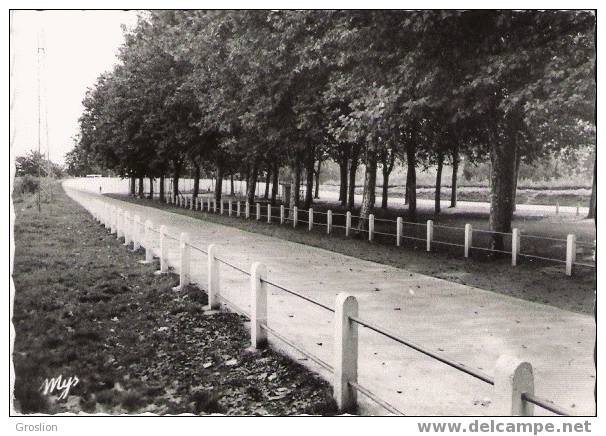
column 242, row 92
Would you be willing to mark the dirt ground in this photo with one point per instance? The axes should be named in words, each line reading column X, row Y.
column 85, row 307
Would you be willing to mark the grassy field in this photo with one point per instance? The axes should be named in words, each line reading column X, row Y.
column 539, row 194
column 533, row 280
column 85, row 307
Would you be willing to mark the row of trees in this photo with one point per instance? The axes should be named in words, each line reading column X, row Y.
column 256, row 93
column 36, row 164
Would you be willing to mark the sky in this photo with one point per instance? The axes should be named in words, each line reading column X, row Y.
column 79, row 46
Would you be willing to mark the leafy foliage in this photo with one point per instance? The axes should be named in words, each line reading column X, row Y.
column 243, row 91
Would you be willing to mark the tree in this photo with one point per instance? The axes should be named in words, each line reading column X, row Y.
column 36, row 164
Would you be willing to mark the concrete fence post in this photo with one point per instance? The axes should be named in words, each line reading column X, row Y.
column 310, row 219
column 557, row 207
column 578, row 207
column 112, row 219
column 371, row 227
column 571, row 253
column 229, row 204
column 127, row 229
column 328, row 222
column 214, row 283
column 345, row 352
column 117, row 221
column 258, row 305
column 238, row 208
column 147, row 241
column 399, row 226
column 512, row 378
column 214, row 205
column 120, row 232
column 184, row 262
column 269, row 212
column 429, row 234
column 515, row 246
column 136, row 233
column 163, row 251
column 258, row 211
column 104, row 214
column 247, row 210
column 281, row 214
column 221, row 208
column 468, row 239
column 347, row 223
column 295, row 216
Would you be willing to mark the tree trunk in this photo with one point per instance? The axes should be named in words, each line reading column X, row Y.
column 251, row 184
column 317, row 181
column 141, row 189
column 455, row 170
column 310, row 164
column 196, row 181
column 151, row 188
column 295, row 184
column 501, row 180
column 343, row 180
column 353, row 168
column 267, row 183
column 275, row 183
column 370, row 186
column 516, row 172
column 175, row 186
column 592, row 202
column 438, row 196
column 162, row 196
column 411, row 181
column 176, row 176
column 387, row 162
column 385, row 189
column 219, row 184
column 133, row 186
column 231, row 185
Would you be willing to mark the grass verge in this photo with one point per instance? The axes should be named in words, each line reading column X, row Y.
column 85, row 307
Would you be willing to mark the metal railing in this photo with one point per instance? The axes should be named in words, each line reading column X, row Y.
column 426, row 233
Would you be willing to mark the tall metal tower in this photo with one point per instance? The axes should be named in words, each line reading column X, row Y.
column 45, row 173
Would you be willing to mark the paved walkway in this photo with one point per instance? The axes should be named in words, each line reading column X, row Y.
column 330, row 194
column 467, row 324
